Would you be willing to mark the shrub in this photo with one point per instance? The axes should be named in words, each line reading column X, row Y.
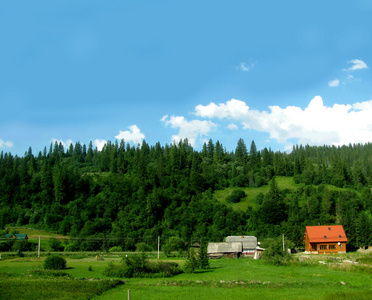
column 274, row 253
column 55, row 245
column 138, row 266
column 165, row 269
column 54, row 263
column 235, row 196
column 259, row 198
column 143, row 247
column 113, row 270
column 71, row 247
column 203, row 260
column 116, row 249
column 174, row 244
column 5, row 246
column 191, row 263
column 21, row 245
column 48, row 273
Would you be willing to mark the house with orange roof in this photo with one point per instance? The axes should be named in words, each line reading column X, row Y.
column 325, row 239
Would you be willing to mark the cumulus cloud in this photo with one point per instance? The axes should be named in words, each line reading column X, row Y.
column 192, row 130
column 99, row 144
column 133, row 135
column 317, row 124
column 233, row 108
column 5, row 144
column 334, row 83
column 357, row 64
column 232, row 126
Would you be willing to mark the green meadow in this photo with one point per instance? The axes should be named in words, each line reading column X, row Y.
column 283, row 182
column 347, row 276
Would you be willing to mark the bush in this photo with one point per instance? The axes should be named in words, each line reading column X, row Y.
column 259, row 198
column 72, row 247
column 236, row 196
column 138, row 266
column 165, row 269
column 274, row 253
column 191, row 263
column 55, row 245
column 5, row 246
column 203, row 260
column 143, row 247
column 21, row 245
column 48, row 273
column 174, row 244
column 116, row 249
column 54, row 263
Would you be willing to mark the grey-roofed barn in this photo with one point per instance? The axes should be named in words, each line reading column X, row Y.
column 249, row 243
column 224, row 249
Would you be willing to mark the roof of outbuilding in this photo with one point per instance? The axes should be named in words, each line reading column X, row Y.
column 327, row 234
column 249, row 242
column 17, row 236
column 224, row 248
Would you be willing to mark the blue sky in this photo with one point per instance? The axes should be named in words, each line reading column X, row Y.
column 279, row 73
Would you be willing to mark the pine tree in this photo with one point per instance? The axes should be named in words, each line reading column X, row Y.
column 203, row 256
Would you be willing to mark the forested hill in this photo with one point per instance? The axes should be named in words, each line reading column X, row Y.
column 129, row 193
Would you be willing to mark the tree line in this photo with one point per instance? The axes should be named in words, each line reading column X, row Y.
column 126, row 191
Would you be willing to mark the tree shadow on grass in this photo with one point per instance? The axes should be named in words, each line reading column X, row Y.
column 204, row 271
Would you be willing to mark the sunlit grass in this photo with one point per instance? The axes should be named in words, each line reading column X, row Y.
column 252, row 193
column 226, row 279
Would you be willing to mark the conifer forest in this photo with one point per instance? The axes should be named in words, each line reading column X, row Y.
column 127, row 193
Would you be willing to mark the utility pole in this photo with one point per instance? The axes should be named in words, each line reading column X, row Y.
column 158, row 245
column 38, row 248
column 283, row 244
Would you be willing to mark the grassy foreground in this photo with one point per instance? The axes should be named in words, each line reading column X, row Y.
column 250, row 279
column 227, row 279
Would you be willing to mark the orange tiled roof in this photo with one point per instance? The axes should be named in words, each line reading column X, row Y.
column 330, row 233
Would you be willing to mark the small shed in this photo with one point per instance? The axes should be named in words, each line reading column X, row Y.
column 325, row 239
column 257, row 253
column 16, row 236
column 249, row 243
column 232, row 250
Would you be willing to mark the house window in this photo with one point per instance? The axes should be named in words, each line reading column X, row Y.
column 329, row 228
column 340, row 236
column 325, row 236
column 323, row 247
column 332, row 247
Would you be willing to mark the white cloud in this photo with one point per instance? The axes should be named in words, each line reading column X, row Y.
column 5, row 144
column 232, row 126
column 65, row 144
column 358, row 64
column 233, row 108
column 133, row 135
column 192, row 130
column 334, row 83
column 317, row 124
column 99, row 144
column 244, row 67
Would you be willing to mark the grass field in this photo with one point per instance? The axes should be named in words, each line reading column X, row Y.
column 252, row 192
column 227, row 279
column 35, row 233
